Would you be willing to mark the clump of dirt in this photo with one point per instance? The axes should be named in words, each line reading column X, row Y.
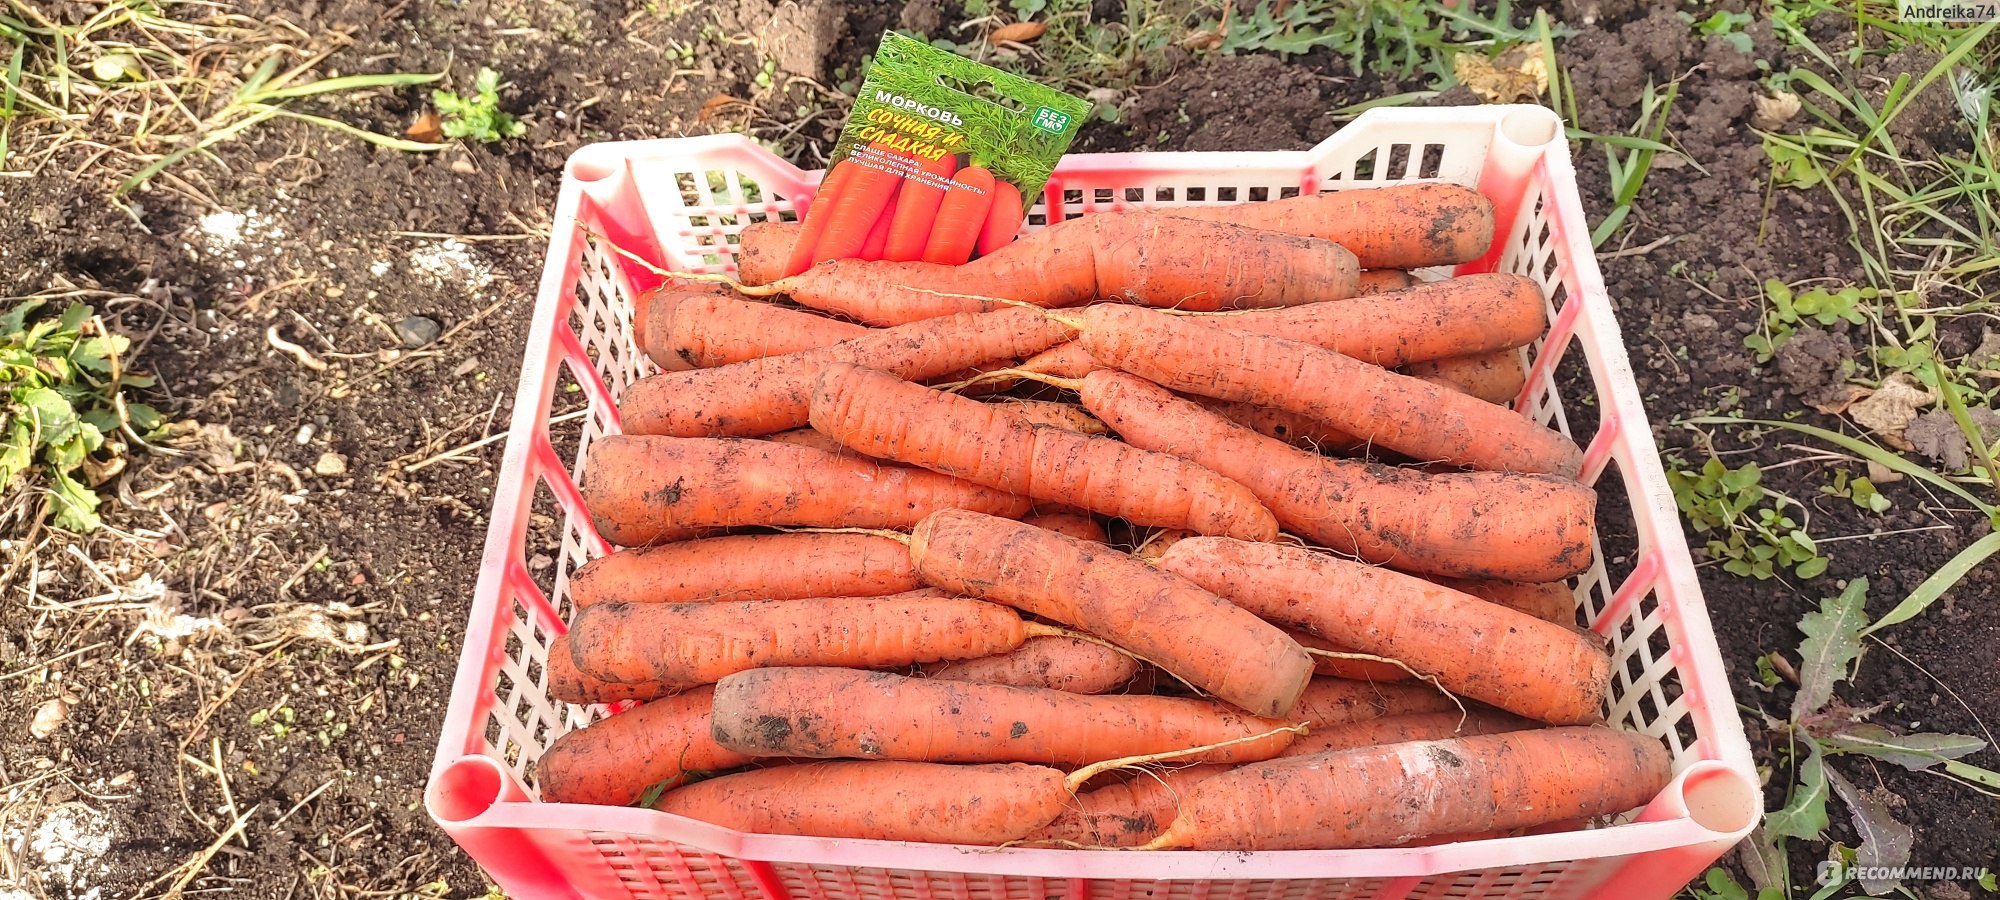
column 1815, row 364
column 1936, row 434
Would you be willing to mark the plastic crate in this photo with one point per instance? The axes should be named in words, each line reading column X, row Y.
column 681, row 204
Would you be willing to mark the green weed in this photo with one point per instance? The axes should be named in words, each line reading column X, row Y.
column 1752, row 540
column 1785, row 313
column 66, row 414
column 1857, row 490
column 477, row 117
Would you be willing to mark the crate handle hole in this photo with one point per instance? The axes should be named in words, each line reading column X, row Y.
column 467, row 788
column 1721, row 798
column 1531, row 126
column 594, row 162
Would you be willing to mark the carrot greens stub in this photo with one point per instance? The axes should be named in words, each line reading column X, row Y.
column 940, row 159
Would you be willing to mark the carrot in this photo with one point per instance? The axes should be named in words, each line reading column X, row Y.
column 1486, row 652
column 1003, row 218
column 1343, row 667
column 960, row 217
column 1076, row 525
column 748, row 567
column 704, row 331
column 1049, row 414
column 1156, row 544
column 766, row 395
column 763, row 249
column 1303, row 432
column 1331, row 702
column 1412, row 417
column 1167, row 620
column 567, row 684
column 917, row 208
column 818, row 216
column 1495, row 377
column 1432, row 726
column 1550, row 602
column 1051, row 662
column 888, row 801
column 806, row 437
column 613, row 761
column 1407, row 226
column 829, row 713
column 1127, row 814
column 654, row 312
column 1526, row 527
column 882, row 416
column 643, row 490
column 1142, row 258
column 698, row 643
column 1379, row 281
column 878, row 234
column 1376, row 796
column 861, row 201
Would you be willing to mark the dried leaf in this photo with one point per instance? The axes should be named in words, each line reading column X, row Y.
column 428, row 128
column 1884, row 841
column 1833, row 640
column 716, row 105
column 1911, row 751
column 1891, row 409
column 1017, row 33
column 1836, row 400
column 1881, row 474
column 1517, row 75
column 1774, row 110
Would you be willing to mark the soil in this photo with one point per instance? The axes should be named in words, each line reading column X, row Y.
column 287, row 598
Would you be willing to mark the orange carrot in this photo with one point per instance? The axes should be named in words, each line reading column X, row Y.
column 887, row 801
column 1201, row 638
column 818, row 215
column 1527, row 527
column 1155, row 545
column 878, row 234
column 1412, row 417
column 748, row 567
column 1380, row 281
column 882, row 416
column 830, row 713
column 1049, row 414
column 1486, row 652
column 614, row 761
column 1331, row 702
column 960, row 217
column 1003, row 218
column 861, row 201
column 654, row 312
column 698, row 643
column 1432, row 726
column 917, row 208
column 1131, row 257
column 1495, row 377
column 1550, row 602
column 1408, row 226
column 567, row 684
column 762, row 396
column 704, row 331
column 1127, row 814
column 1344, row 667
column 1303, row 432
column 763, row 249
column 1077, row 525
column 1051, row 662
column 642, row 490
column 806, row 437
column 1377, row 796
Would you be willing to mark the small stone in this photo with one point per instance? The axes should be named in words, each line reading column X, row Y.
column 330, row 465
column 48, row 718
column 305, row 434
column 462, row 165
column 417, row 331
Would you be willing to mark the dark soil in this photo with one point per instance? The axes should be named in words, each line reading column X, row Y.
column 329, row 730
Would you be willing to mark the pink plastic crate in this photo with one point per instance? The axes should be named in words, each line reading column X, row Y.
column 682, row 203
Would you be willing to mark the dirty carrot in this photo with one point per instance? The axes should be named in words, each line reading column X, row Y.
column 1407, row 226
column 1050, row 414
column 748, row 567
column 698, row 643
column 1052, row 662
column 1165, row 619
column 1076, row 525
column 761, row 396
column 1378, row 796
column 1525, row 527
column 1495, row 377
column 1127, row 814
column 1430, row 726
column 763, row 249
column 653, row 313
column 643, row 489
column 1329, row 702
column 889, row 801
column 1548, row 601
column 882, row 416
column 702, row 331
column 567, row 684
column 827, row 713
column 1412, row 417
column 1377, row 281
column 1480, row 650
column 614, row 761
column 1349, row 666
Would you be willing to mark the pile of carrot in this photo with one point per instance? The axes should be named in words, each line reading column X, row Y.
column 1203, row 529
